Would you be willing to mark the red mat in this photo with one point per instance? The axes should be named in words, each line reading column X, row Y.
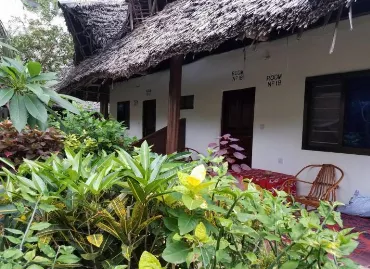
column 362, row 225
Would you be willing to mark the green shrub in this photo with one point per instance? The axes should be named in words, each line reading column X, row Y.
column 151, row 211
column 91, row 133
column 29, row 93
column 30, row 143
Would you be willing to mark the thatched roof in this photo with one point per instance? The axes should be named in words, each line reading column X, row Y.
column 95, row 24
column 3, row 33
column 186, row 26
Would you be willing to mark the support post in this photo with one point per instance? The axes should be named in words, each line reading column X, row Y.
column 174, row 96
column 104, row 100
column 104, row 106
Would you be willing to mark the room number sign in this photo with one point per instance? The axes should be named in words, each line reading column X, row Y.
column 237, row 75
column 274, row 80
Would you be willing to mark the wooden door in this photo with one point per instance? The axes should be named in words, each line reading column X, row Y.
column 149, row 117
column 238, row 117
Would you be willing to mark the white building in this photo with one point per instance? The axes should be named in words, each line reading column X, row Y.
column 274, row 97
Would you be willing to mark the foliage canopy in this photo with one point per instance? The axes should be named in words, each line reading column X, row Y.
column 150, row 211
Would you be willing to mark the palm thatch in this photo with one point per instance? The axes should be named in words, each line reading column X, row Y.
column 3, row 33
column 186, row 26
column 95, row 24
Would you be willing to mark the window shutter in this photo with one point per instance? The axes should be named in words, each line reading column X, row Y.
column 324, row 112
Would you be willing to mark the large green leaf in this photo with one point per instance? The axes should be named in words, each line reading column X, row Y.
column 95, row 239
column 44, row 77
column 139, row 214
column 8, row 209
column 72, row 98
column 149, row 261
column 187, row 223
column 36, row 89
column 290, row 265
column 18, row 112
column 12, row 253
column 40, row 226
column 190, row 202
column 171, row 224
column 68, row 259
column 34, row 68
column 9, row 72
column 176, row 252
column 157, row 168
column 14, row 231
column 179, row 156
column 7, row 162
column 145, row 157
column 35, row 107
column 15, row 63
column 39, row 183
column 153, row 186
column 132, row 164
column 5, row 96
column 54, row 96
column 119, row 207
column 2, row 44
column 136, row 190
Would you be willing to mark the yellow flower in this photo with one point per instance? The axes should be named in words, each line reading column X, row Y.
column 197, row 176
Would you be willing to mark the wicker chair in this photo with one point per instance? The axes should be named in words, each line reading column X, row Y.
column 323, row 187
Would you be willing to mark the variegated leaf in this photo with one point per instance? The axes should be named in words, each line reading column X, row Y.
column 107, row 229
column 95, row 239
column 118, row 205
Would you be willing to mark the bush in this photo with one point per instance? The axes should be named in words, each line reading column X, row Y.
column 30, row 143
column 29, row 93
column 149, row 211
column 228, row 148
column 91, row 133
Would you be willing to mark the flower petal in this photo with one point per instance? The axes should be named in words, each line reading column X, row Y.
column 199, row 173
column 193, row 181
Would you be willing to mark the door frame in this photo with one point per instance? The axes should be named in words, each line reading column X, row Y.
column 223, row 113
column 143, row 115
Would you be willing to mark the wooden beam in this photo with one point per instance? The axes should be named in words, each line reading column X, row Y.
column 174, row 97
column 104, row 107
column 150, row 5
column 104, row 101
column 131, row 15
column 154, row 7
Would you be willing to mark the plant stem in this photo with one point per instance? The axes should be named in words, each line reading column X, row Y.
column 222, row 230
column 55, row 259
column 146, row 237
column 218, row 181
column 239, row 253
column 155, row 240
column 29, row 224
column 88, row 230
column 319, row 259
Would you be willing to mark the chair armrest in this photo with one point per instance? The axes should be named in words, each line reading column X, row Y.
column 293, row 180
column 297, row 180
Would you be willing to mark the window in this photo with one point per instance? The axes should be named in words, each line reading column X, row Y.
column 123, row 113
column 337, row 113
column 187, row 102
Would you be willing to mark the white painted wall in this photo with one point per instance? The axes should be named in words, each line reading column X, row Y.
column 280, row 109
